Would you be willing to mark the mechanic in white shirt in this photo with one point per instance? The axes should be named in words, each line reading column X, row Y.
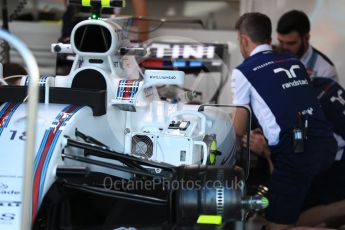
column 277, row 87
column 326, row 199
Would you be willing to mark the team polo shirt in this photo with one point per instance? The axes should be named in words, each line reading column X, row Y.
column 318, row 64
column 277, row 87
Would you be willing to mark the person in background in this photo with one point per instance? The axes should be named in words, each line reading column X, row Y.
column 293, row 30
column 263, row 82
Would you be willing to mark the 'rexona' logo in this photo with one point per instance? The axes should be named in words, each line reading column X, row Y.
column 290, row 73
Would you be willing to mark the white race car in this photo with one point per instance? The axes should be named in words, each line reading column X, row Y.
column 109, row 153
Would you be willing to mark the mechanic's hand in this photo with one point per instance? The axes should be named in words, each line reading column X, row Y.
column 258, row 143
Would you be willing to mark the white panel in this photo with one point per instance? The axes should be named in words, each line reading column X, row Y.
column 198, row 8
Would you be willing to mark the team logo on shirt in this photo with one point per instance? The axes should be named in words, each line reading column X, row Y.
column 290, row 73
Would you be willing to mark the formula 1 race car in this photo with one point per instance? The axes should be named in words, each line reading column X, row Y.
column 110, row 154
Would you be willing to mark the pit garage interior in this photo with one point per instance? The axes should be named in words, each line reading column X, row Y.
column 119, row 114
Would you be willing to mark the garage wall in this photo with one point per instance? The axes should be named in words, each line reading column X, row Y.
column 38, row 37
column 216, row 14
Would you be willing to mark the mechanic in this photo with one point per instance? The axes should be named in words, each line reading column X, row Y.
column 293, row 35
column 276, row 86
column 325, row 202
column 329, row 190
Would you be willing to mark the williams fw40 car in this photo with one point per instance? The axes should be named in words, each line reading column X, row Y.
column 109, row 153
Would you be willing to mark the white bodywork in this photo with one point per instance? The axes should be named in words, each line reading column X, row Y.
column 124, row 131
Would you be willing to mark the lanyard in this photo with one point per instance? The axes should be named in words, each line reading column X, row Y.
column 311, row 62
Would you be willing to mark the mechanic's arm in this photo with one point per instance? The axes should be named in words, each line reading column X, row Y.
column 141, row 10
column 258, row 145
column 241, row 96
column 240, row 120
